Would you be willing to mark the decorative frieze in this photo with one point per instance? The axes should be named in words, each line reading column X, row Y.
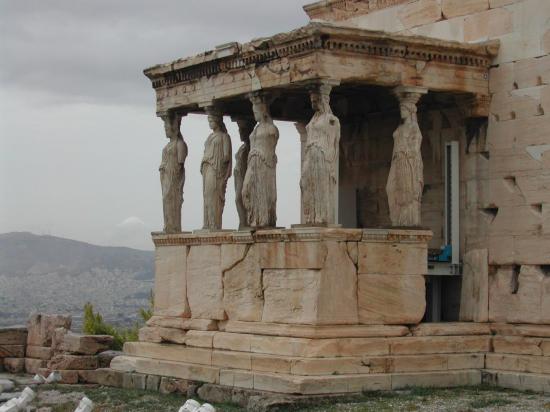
column 306, row 234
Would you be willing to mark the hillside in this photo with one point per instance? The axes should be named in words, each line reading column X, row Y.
column 56, row 275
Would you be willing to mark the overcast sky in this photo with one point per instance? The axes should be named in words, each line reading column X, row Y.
column 80, row 144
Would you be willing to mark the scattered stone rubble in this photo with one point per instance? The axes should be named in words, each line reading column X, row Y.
column 46, row 344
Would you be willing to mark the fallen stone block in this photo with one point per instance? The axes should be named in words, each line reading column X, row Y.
column 14, row 365
column 172, row 385
column 39, row 352
column 73, row 362
column 41, row 328
column 32, row 365
column 124, row 364
column 103, row 376
column 13, row 335
column 12, row 351
column 85, row 344
column 105, row 358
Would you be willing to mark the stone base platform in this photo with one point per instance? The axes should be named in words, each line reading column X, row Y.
column 362, row 358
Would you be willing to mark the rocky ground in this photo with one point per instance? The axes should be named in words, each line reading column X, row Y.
column 65, row 398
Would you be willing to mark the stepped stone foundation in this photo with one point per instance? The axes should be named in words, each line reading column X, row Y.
column 316, row 311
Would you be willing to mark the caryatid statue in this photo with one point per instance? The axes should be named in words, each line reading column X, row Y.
column 172, row 173
column 260, row 183
column 215, row 170
column 246, row 127
column 319, row 181
column 406, row 178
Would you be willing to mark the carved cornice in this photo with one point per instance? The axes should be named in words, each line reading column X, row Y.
column 293, row 235
column 320, row 37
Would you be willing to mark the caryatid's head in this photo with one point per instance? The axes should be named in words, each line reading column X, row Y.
column 215, row 119
column 246, row 127
column 260, row 107
column 320, row 98
column 172, row 124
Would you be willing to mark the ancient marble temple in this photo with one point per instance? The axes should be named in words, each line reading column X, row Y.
column 393, row 134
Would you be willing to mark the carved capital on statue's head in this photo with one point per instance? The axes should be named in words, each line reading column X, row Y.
column 409, row 97
column 172, row 123
column 260, row 106
column 246, row 126
column 319, row 94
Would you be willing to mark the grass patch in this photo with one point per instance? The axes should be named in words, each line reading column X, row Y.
column 485, row 403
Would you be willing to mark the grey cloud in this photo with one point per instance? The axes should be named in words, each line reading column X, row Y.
column 95, row 51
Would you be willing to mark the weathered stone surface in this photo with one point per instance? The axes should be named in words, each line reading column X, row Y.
column 242, row 284
column 291, row 295
column 41, row 328
column 13, row 335
column 308, row 296
column 171, row 281
column 517, row 345
column 134, row 381
column 104, row 358
column 73, row 362
column 14, row 365
column 12, row 351
column 488, row 24
column 420, row 12
column 453, row 8
column 391, row 299
column 149, row 334
column 439, row 344
column 152, row 383
column 309, row 331
column 103, row 376
column 124, row 363
column 518, row 295
column 199, row 338
column 32, row 365
column 474, row 299
column 85, row 344
column 165, row 352
column 451, row 329
column 178, row 370
column 292, row 255
column 393, row 258
column 183, row 324
column 171, row 385
column 172, row 335
column 517, row 363
column 240, row 379
column 522, row 381
column 205, row 282
column 39, row 352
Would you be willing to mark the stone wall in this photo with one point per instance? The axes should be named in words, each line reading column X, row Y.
column 506, row 163
column 310, row 276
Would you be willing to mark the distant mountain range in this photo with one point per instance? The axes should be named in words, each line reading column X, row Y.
column 56, row 275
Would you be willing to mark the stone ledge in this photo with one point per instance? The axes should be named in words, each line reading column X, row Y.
column 402, row 235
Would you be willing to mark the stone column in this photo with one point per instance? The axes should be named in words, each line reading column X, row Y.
column 319, row 180
column 215, row 170
column 246, row 127
column 172, row 172
column 406, row 178
column 260, row 182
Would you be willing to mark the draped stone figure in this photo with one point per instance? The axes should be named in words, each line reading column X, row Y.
column 172, row 173
column 260, row 186
column 319, row 181
column 406, row 178
column 215, row 170
column 246, row 126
